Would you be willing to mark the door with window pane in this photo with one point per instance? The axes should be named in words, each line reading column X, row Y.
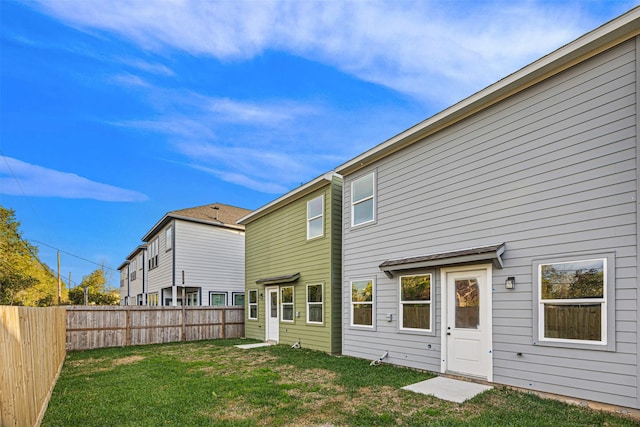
column 272, row 320
column 468, row 323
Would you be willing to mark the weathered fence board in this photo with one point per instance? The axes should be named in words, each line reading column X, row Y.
column 111, row 326
column 32, row 349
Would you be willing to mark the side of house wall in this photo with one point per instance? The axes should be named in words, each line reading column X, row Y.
column 552, row 173
column 211, row 257
column 277, row 245
column 161, row 276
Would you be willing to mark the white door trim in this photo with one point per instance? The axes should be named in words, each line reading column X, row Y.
column 444, row 312
column 272, row 327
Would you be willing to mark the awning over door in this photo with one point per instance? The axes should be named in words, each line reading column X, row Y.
column 278, row 279
column 463, row 256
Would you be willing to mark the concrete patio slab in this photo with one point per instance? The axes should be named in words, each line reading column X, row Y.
column 448, row 389
column 256, row 345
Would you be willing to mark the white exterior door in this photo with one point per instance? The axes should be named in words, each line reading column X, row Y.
column 466, row 322
column 272, row 320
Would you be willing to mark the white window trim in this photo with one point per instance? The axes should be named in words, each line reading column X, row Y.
column 292, row 304
column 168, row 235
column 321, row 216
column 321, row 303
column 372, row 302
column 356, row 202
column 608, row 304
column 153, row 253
column 401, row 302
column 249, row 304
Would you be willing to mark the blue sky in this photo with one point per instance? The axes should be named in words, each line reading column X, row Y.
column 113, row 113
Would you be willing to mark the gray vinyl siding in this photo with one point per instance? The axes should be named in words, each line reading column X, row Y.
column 551, row 172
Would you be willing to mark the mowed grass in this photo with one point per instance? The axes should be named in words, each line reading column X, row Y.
column 210, row 383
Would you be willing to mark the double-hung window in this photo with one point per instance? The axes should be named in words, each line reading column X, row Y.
column 253, row 304
column 415, row 302
column 362, row 295
column 133, row 268
column 168, row 234
column 315, row 215
column 572, row 301
column 362, row 200
column 314, row 304
column 153, row 253
column 286, row 298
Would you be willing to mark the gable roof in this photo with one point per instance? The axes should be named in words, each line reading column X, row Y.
column 605, row 37
column 215, row 214
column 289, row 197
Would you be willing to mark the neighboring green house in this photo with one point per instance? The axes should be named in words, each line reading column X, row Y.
column 293, row 267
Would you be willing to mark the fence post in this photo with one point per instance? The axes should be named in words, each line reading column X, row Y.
column 224, row 327
column 127, row 321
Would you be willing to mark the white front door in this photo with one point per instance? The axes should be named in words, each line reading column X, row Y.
column 467, row 321
column 272, row 320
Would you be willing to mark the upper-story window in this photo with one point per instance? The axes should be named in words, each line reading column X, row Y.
column 133, row 268
column 315, row 215
column 363, row 200
column 168, row 238
column 153, row 253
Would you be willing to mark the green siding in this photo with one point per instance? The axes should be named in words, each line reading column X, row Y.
column 276, row 245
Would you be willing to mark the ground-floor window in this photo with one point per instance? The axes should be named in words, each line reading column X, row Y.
column 238, row 298
column 253, row 304
column 286, row 299
column 573, row 300
column 314, row 304
column 415, row 302
column 362, row 297
column 217, row 298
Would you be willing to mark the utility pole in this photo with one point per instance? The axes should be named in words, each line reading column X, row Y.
column 59, row 280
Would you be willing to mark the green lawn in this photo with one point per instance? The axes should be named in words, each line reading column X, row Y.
column 213, row 383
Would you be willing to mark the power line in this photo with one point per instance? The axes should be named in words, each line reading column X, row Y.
column 74, row 255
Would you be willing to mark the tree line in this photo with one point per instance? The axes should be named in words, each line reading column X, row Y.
column 25, row 280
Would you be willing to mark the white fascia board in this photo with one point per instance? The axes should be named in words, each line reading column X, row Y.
column 289, row 197
column 606, row 36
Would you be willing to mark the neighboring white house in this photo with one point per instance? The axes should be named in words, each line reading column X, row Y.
column 133, row 278
column 498, row 239
column 193, row 256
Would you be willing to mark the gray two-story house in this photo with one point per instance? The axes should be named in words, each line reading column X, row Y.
column 498, row 239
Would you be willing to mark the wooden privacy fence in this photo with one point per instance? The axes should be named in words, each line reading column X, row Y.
column 32, row 350
column 116, row 326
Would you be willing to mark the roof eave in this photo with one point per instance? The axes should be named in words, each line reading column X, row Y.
column 289, row 197
column 171, row 216
column 606, row 36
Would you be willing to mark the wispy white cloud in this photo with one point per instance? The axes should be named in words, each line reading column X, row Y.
column 19, row 178
column 267, row 159
column 430, row 50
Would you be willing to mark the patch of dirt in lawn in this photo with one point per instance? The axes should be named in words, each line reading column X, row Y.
column 238, row 410
column 127, row 360
column 237, row 362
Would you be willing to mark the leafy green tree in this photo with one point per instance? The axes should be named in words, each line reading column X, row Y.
column 24, row 279
column 97, row 293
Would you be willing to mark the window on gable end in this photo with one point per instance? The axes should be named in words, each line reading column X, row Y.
column 315, row 217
